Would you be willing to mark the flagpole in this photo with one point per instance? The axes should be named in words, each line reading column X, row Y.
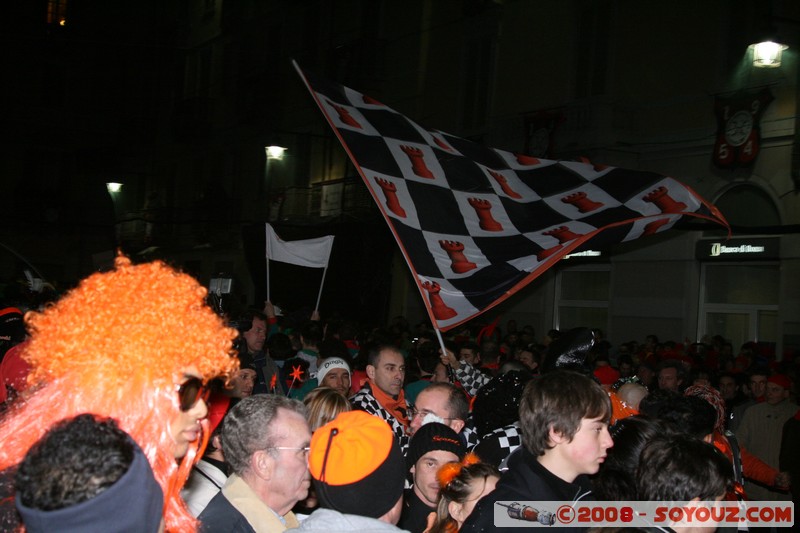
column 266, row 245
column 319, row 296
column 268, row 298
column 450, row 374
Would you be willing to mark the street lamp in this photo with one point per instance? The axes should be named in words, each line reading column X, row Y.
column 767, row 54
column 113, row 187
column 275, row 152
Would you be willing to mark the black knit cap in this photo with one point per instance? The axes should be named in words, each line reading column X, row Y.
column 433, row 436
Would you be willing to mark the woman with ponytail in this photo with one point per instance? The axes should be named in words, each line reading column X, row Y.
column 462, row 485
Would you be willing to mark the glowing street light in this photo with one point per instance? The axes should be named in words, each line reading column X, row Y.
column 275, row 152
column 767, row 54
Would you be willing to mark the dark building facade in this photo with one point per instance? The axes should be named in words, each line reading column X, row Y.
column 177, row 100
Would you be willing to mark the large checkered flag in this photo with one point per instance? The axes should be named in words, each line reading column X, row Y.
column 477, row 224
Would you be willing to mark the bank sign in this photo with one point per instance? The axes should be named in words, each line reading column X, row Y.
column 745, row 249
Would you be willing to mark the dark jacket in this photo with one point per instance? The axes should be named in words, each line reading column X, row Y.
column 220, row 516
column 266, row 370
column 415, row 513
column 525, row 480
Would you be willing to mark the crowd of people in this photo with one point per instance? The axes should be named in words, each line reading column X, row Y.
column 130, row 405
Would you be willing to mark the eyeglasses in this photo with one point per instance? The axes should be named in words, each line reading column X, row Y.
column 304, row 449
column 414, row 413
column 190, row 392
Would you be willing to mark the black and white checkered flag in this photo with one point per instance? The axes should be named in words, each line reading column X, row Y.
column 477, row 224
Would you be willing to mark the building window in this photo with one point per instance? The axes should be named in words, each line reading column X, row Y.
column 748, row 205
column 476, row 87
column 54, row 87
column 740, row 302
column 594, row 21
column 478, row 63
column 57, row 12
column 582, row 295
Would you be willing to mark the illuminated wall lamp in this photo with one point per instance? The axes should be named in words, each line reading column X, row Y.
column 113, row 187
column 275, row 152
column 767, row 54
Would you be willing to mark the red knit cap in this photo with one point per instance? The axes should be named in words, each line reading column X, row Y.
column 780, row 379
column 607, row 375
column 12, row 327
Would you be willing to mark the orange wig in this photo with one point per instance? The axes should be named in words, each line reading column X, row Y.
column 117, row 346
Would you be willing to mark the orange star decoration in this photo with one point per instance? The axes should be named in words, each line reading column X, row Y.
column 297, row 373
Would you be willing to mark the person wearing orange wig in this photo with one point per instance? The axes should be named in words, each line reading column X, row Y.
column 137, row 344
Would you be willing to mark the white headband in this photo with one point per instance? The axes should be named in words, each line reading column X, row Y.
column 329, row 364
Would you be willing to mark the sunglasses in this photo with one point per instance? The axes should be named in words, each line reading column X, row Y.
column 191, row 391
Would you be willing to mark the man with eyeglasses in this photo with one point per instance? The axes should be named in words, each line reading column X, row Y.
column 266, row 441
column 447, row 404
column 357, row 469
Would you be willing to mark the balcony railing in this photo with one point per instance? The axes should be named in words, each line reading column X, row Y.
column 348, row 196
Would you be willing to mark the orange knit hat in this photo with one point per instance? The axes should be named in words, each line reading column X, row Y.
column 357, row 465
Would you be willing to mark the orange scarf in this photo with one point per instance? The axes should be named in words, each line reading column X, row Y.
column 396, row 406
